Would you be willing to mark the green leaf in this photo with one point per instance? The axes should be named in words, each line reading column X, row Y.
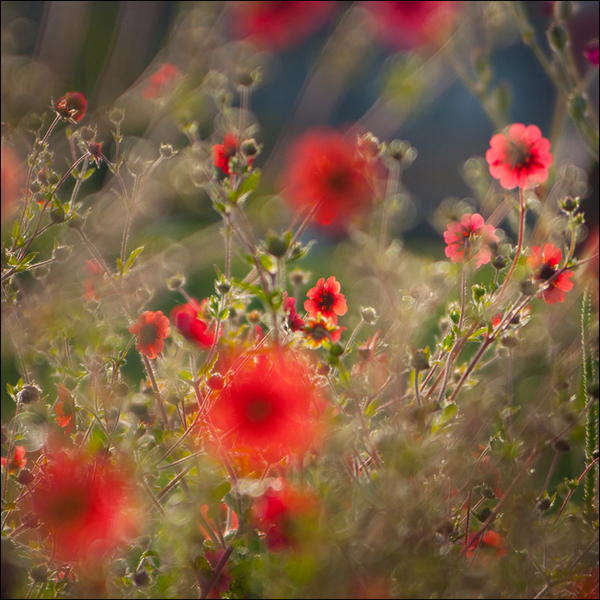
column 132, row 258
column 119, row 265
column 478, row 332
column 448, row 342
column 15, row 230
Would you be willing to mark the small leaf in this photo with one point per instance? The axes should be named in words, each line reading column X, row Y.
column 132, row 258
column 448, row 342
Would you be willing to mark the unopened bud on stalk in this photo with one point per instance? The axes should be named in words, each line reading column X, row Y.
column 166, row 151
column 175, row 282
column 569, row 204
column 369, row 146
column 76, row 221
column 29, row 394
column 558, row 37
column 368, row 314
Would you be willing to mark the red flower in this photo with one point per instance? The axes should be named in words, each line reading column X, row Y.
column 284, row 514
column 590, row 51
column 409, row 24
column 326, row 299
column 278, row 25
column 18, row 460
column 322, row 331
column 71, row 106
column 223, row 583
column 87, row 506
column 519, row 158
column 324, row 171
column 267, row 405
column 490, row 539
column 162, row 81
column 472, row 237
column 13, row 178
column 65, row 410
column 94, row 272
column 294, row 321
column 151, row 329
column 544, row 263
column 223, row 152
column 187, row 320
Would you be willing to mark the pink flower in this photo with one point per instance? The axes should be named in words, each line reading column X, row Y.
column 151, row 328
column 519, row 158
column 590, row 51
column 223, row 152
column 162, row 81
column 278, row 25
column 72, row 106
column 408, row 24
column 470, row 237
column 544, row 263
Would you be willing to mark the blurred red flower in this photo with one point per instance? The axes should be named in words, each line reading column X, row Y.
column 187, row 319
column 86, row 504
column 284, row 514
column 408, row 24
column 223, row 583
column 490, row 539
column 13, row 179
column 590, row 51
column 65, row 410
column 267, row 406
column 278, row 25
column 72, row 106
column 18, row 460
column 544, row 263
column 325, row 298
column 294, row 321
column 93, row 270
column 319, row 330
column 519, row 158
column 162, row 81
column 325, row 172
column 151, row 329
column 470, row 238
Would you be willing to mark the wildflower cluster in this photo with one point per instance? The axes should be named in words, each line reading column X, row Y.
column 201, row 403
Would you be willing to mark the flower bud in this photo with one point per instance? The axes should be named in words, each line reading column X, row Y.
column 254, row 316
column 166, row 151
column 61, row 253
column 88, row 134
column 558, row 37
column 29, row 394
column 75, row 221
column 369, row 146
column 420, row 359
column 402, row 151
column 216, row 382
column 57, row 214
column 277, row 245
column 499, row 262
column 563, row 11
column 561, row 445
column 527, row 288
column 223, row 286
column 175, row 282
column 116, row 115
column 577, row 107
column 25, row 477
column 249, row 147
column 35, row 186
column 569, row 204
column 368, row 314
column 298, row 277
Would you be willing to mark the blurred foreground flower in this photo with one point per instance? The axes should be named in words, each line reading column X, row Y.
column 544, row 263
column 405, row 25
column 17, row 461
column 13, row 179
column 285, row 515
column 325, row 174
column 151, row 329
column 519, row 158
column 470, row 238
column 590, row 51
column 86, row 505
column 72, row 106
column 278, row 25
column 268, row 406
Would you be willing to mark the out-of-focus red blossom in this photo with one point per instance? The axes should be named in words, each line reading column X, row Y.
column 471, row 237
column 278, row 25
column 544, row 264
column 223, row 152
column 204, row 509
column 17, row 461
column 224, row 581
column 520, row 157
column 87, row 505
column 325, row 173
column 325, row 298
column 269, row 406
column 406, row 25
column 72, row 106
column 294, row 321
column 161, row 82
column 12, row 181
column 587, row 588
column 489, row 540
column 64, row 409
column 151, row 328
column 283, row 514
column 319, row 330
column 93, row 270
column 187, row 319
column 590, row 51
